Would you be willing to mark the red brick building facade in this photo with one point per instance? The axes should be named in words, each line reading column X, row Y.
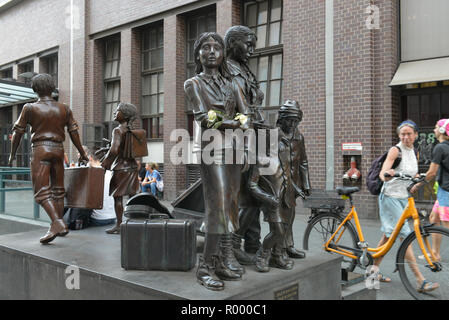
column 140, row 52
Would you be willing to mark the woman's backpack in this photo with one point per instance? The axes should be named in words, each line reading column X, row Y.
column 373, row 181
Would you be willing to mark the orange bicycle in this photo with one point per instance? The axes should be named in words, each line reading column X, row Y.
column 424, row 252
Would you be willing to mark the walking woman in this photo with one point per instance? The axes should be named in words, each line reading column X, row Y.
column 439, row 169
column 214, row 105
column 394, row 195
column 124, row 179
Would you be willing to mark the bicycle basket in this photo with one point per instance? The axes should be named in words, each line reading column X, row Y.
column 324, row 199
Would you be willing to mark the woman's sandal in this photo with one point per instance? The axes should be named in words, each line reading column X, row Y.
column 427, row 286
column 382, row 278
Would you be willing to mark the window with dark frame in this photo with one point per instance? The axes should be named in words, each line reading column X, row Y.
column 51, row 66
column 197, row 24
column 111, row 78
column 425, row 104
column 23, row 68
column 265, row 18
column 153, row 81
column 6, row 73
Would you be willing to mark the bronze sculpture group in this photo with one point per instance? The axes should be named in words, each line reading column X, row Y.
column 224, row 87
column 227, row 86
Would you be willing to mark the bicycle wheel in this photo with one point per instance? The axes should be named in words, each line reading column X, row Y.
column 321, row 228
column 409, row 265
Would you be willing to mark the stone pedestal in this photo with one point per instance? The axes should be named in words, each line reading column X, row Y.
column 29, row 270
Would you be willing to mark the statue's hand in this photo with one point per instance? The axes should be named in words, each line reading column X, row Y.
column 83, row 159
column 307, row 192
column 299, row 191
column 260, row 97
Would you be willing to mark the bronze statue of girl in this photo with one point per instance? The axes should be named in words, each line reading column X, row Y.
column 124, row 179
column 211, row 90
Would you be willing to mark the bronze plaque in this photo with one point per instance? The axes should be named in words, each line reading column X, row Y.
column 288, row 293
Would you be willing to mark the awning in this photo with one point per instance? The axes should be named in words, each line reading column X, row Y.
column 12, row 93
column 421, row 71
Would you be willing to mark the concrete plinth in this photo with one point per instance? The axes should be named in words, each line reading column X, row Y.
column 29, row 270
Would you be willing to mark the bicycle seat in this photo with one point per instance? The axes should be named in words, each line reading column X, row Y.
column 346, row 191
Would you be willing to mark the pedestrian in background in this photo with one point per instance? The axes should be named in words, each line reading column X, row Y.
column 439, row 168
column 394, row 196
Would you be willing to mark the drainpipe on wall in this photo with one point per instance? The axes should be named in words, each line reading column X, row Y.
column 329, row 57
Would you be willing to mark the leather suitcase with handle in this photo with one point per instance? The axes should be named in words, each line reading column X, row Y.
column 84, row 187
column 158, row 244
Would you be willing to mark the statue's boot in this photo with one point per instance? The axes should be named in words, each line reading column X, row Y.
column 227, row 257
column 224, row 273
column 294, row 253
column 204, row 275
column 58, row 226
column 242, row 257
column 60, row 208
column 278, row 260
column 262, row 258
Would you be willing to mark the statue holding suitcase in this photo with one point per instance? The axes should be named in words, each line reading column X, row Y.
column 48, row 120
column 121, row 159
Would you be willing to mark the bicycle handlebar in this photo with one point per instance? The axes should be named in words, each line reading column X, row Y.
column 404, row 176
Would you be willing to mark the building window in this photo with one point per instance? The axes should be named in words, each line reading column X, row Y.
column 50, row 64
column 265, row 18
column 153, row 81
column 268, row 70
column 111, row 99
column 111, row 78
column 26, row 68
column 6, row 74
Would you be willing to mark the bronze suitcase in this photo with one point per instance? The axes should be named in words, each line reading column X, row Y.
column 158, row 244
column 84, row 187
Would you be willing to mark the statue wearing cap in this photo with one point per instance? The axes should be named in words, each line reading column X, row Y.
column 300, row 175
column 277, row 191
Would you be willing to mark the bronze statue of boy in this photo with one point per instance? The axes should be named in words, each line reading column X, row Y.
column 240, row 44
column 277, row 192
column 48, row 120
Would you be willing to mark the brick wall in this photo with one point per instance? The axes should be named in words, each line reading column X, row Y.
column 174, row 99
column 228, row 15
column 113, row 13
column 304, row 77
column 130, row 67
column 366, row 110
column 46, row 17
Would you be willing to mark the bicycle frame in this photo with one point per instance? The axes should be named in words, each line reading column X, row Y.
column 409, row 212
